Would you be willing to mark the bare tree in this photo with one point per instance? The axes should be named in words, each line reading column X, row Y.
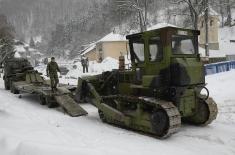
column 196, row 7
column 135, row 5
column 6, row 39
column 225, row 9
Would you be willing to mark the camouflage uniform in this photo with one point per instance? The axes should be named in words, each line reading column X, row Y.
column 52, row 69
column 85, row 63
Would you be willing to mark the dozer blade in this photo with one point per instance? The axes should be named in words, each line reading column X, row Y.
column 70, row 106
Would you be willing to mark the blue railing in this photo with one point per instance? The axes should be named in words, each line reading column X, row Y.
column 219, row 67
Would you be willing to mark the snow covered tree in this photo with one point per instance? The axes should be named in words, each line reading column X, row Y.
column 6, row 39
column 140, row 7
column 195, row 7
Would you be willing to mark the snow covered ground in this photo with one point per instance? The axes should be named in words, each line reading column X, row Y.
column 27, row 128
column 108, row 64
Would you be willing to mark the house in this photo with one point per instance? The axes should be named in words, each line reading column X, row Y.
column 90, row 52
column 213, row 24
column 112, row 45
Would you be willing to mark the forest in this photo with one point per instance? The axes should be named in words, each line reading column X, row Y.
column 66, row 25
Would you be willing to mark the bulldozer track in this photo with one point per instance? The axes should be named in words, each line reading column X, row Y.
column 213, row 111
column 170, row 109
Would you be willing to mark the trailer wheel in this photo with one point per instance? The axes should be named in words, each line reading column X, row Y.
column 51, row 103
column 14, row 90
column 42, row 100
column 102, row 116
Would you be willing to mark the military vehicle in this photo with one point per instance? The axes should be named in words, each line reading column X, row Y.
column 14, row 69
column 20, row 77
column 162, row 88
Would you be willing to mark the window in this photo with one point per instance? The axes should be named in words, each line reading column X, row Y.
column 211, row 23
column 183, row 44
column 155, row 49
column 138, row 49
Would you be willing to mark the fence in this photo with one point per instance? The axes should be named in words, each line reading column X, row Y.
column 219, row 67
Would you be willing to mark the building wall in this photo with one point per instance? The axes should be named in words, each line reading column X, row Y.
column 213, row 32
column 107, row 49
column 114, row 49
column 92, row 56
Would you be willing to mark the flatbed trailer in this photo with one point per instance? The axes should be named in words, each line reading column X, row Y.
column 36, row 84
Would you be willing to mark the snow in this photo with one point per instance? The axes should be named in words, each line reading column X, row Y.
column 113, row 37
column 160, row 25
column 108, row 64
column 17, row 55
column 91, row 47
column 20, row 48
column 28, row 128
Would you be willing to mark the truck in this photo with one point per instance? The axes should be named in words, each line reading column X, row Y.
column 20, row 77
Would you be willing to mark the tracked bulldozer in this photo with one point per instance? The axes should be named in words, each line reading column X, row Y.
column 162, row 89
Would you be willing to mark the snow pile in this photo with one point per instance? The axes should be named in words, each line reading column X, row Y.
column 108, row 64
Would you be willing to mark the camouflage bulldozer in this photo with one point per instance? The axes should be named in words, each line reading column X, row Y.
column 162, row 88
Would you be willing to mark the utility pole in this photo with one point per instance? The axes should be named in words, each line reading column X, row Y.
column 207, row 27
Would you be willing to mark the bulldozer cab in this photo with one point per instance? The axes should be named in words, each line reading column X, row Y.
column 169, row 55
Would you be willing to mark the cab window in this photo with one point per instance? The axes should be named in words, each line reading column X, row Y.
column 183, row 44
column 138, row 49
column 155, row 49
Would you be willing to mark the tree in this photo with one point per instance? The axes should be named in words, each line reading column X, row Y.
column 140, row 9
column 6, row 39
column 225, row 9
column 195, row 7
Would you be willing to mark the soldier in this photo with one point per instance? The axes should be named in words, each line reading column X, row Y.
column 52, row 69
column 85, row 64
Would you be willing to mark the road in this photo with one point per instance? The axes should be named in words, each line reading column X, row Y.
column 28, row 128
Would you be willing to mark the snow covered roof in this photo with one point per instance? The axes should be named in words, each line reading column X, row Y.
column 113, row 37
column 90, row 48
column 160, row 25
